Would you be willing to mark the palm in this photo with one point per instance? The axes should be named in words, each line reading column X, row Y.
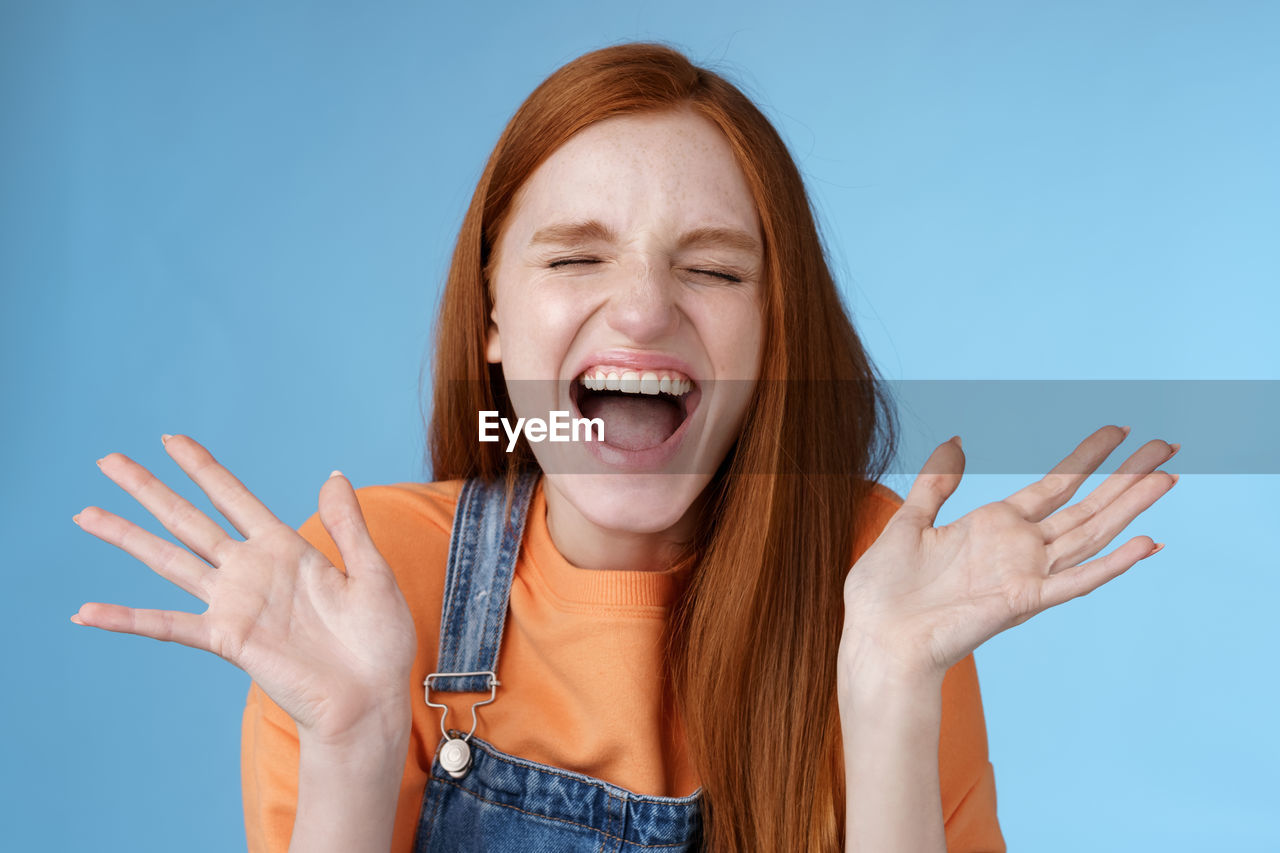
column 928, row 596
column 329, row 647
column 310, row 638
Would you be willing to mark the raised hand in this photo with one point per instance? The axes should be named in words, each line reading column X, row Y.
column 333, row 650
column 923, row 597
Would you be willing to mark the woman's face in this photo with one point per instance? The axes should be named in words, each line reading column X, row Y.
column 634, row 250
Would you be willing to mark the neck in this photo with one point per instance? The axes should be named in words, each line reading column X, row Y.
column 589, row 546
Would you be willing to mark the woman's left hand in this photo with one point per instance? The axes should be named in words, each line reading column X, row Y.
column 921, row 598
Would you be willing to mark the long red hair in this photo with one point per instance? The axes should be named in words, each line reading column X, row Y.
column 753, row 641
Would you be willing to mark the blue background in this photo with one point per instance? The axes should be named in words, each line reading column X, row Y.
column 232, row 220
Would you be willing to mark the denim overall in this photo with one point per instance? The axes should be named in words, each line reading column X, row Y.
column 498, row 801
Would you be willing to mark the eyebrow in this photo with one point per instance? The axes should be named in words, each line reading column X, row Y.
column 593, row 229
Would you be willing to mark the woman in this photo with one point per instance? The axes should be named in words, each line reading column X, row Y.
column 653, row 641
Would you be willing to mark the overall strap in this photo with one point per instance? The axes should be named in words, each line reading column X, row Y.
column 483, row 548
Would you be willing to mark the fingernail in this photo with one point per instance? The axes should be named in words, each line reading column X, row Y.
column 100, row 462
column 1125, row 430
column 1155, row 550
column 75, row 617
column 336, row 473
column 956, row 439
column 1175, row 478
column 1175, row 448
column 164, row 438
column 76, row 518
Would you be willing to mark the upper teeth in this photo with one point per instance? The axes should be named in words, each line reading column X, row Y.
column 636, row 381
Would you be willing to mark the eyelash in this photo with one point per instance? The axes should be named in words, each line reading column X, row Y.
column 715, row 273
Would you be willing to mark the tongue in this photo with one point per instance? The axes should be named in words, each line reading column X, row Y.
column 633, row 421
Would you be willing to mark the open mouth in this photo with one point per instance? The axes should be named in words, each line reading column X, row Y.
column 640, row 410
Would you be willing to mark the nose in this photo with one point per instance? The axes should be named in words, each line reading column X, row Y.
column 644, row 306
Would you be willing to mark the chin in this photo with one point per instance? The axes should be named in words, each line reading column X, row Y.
column 631, row 503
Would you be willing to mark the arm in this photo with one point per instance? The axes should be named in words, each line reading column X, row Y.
column 347, row 791
column 311, row 795
column 891, row 723
column 910, row 747
column 306, row 794
column 921, row 599
column 332, row 647
column 938, row 737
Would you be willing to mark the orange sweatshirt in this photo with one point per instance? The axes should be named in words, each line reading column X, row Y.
column 581, row 669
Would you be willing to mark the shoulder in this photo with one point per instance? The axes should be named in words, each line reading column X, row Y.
column 385, row 505
column 402, row 518
column 410, row 524
column 393, row 505
column 882, row 494
column 874, row 512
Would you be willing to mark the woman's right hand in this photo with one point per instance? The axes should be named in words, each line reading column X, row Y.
column 333, row 650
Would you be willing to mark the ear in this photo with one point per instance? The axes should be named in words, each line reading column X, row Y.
column 493, row 347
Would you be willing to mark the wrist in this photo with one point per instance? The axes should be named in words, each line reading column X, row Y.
column 870, row 678
column 373, row 760
column 349, row 785
column 384, row 727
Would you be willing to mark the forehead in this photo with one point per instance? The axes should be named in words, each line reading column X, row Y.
column 673, row 168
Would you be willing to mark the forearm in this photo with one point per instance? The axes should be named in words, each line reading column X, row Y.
column 890, row 724
column 347, row 793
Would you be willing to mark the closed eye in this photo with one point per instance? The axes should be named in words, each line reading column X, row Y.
column 724, row 275
column 555, row 264
column 714, row 273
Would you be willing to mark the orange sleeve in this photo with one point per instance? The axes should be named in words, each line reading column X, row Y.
column 268, row 773
column 269, row 746
column 965, row 772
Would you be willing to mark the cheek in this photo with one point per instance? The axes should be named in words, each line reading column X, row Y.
column 537, row 327
column 732, row 329
column 734, row 332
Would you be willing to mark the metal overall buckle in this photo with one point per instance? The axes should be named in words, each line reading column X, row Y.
column 455, row 754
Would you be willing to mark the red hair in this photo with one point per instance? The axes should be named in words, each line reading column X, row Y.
column 753, row 641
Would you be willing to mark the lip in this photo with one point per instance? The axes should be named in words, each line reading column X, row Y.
column 650, row 458
column 654, row 361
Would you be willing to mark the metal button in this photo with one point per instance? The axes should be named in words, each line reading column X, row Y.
column 455, row 757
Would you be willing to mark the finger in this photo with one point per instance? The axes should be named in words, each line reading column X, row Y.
column 1145, row 460
column 174, row 564
column 1054, row 489
column 1092, row 536
column 246, row 513
column 193, row 528
column 341, row 515
column 171, row 626
column 1086, row 577
column 936, row 482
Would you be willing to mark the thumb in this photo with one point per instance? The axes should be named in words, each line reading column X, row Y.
column 341, row 515
column 936, row 482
